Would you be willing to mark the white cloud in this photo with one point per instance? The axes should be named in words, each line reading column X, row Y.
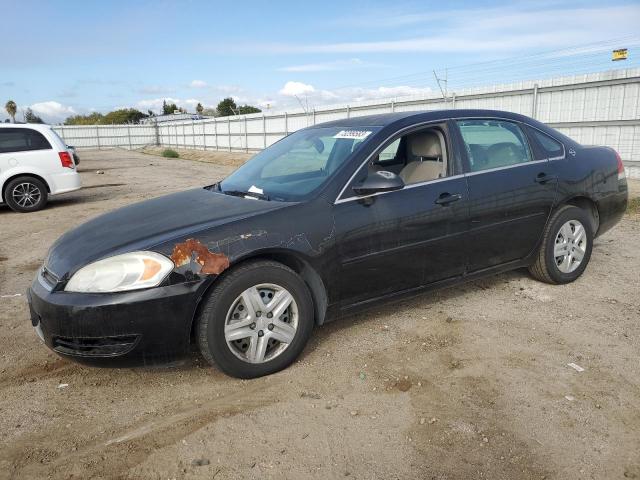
column 320, row 97
column 51, row 111
column 327, row 66
column 198, row 84
column 228, row 89
column 191, row 103
column 364, row 94
column 155, row 89
column 475, row 30
column 293, row 89
column 155, row 104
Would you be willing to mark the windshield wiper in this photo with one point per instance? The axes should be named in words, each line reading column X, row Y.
column 240, row 193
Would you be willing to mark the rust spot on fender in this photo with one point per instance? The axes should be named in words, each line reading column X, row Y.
column 210, row 263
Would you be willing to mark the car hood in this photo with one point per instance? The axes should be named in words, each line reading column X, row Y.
column 145, row 224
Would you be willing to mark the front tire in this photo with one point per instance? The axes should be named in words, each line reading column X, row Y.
column 25, row 194
column 566, row 246
column 256, row 321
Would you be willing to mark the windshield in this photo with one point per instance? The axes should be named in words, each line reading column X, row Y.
column 294, row 167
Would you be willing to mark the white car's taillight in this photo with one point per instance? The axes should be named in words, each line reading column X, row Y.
column 66, row 160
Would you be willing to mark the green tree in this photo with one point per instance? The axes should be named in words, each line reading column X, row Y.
column 11, row 109
column 244, row 109
column 31, row 117
column 199, row 108
column 91, row 119
column 226, row 107
column 117, row 117
column 168, row 108
column 124, row 115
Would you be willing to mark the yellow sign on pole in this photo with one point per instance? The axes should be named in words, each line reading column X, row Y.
column 620, row 54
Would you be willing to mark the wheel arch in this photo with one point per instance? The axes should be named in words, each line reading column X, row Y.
column 295, row 262
column 23, row 174
column 585, row 203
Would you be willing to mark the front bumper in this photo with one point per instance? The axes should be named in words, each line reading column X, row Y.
column 138, row 327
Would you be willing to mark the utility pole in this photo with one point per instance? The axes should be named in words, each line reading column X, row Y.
column 304, row 106
column 440, row 81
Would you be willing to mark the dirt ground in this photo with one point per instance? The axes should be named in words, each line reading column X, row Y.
column 468, row 382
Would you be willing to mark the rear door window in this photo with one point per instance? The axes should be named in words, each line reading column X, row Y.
column 493, row 144
column 22, row 140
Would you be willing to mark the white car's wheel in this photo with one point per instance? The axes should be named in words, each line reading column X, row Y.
column 25, row 194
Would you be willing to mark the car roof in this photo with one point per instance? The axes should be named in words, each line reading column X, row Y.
column 33, row 126
column 386, row 119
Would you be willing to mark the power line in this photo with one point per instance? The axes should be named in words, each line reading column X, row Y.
column 565, row 58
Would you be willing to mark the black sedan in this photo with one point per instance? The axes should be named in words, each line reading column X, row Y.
column 326, row 222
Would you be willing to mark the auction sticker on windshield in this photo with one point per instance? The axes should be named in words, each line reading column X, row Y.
column 353, row 134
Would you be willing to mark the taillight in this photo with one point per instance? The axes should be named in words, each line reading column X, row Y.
column 66, row 160
column 621, row 173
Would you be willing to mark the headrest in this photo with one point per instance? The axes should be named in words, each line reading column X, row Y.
column 425, row 144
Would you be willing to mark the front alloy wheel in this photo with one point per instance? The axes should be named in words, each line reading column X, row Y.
column 261, row 323
column 256, row 320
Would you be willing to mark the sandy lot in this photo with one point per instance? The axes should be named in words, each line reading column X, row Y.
column 469, row 382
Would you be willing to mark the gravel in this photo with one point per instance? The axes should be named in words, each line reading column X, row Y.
column 468, row 382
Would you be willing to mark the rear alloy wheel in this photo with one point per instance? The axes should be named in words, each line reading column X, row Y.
column 570, row 246
column 566, row 247
column 256, row 321
column 25, row 194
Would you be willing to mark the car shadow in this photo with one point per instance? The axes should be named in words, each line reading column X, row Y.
column 71, row 199
column 321, row 335
column 425, row 300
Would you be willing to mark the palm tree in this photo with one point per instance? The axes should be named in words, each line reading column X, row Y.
column 11, row 108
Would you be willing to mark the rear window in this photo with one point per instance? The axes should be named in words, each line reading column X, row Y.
column 551, row 147
column 22, row 140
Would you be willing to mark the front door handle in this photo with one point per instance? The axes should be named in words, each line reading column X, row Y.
column 447, row 198
column 544, row 178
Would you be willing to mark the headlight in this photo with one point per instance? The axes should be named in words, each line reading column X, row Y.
column 129, row 271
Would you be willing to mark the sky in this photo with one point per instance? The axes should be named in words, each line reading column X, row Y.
column 73, row 57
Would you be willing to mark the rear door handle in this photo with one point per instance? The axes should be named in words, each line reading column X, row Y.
column 447, row 198
column 544, row 178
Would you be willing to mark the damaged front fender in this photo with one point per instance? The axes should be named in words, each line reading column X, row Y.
column 201, row 260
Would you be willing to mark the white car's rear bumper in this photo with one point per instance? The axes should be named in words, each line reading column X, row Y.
column 64, row 182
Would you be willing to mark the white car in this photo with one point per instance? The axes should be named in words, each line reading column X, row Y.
column 34, row 163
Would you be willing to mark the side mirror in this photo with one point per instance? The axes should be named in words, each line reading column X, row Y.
column 381, row 181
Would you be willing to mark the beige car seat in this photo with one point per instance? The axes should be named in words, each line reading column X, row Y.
column 427, row 160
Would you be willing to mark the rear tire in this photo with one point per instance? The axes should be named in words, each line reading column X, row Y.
column 242, row 330
column 566, row 246
column 25, row 194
